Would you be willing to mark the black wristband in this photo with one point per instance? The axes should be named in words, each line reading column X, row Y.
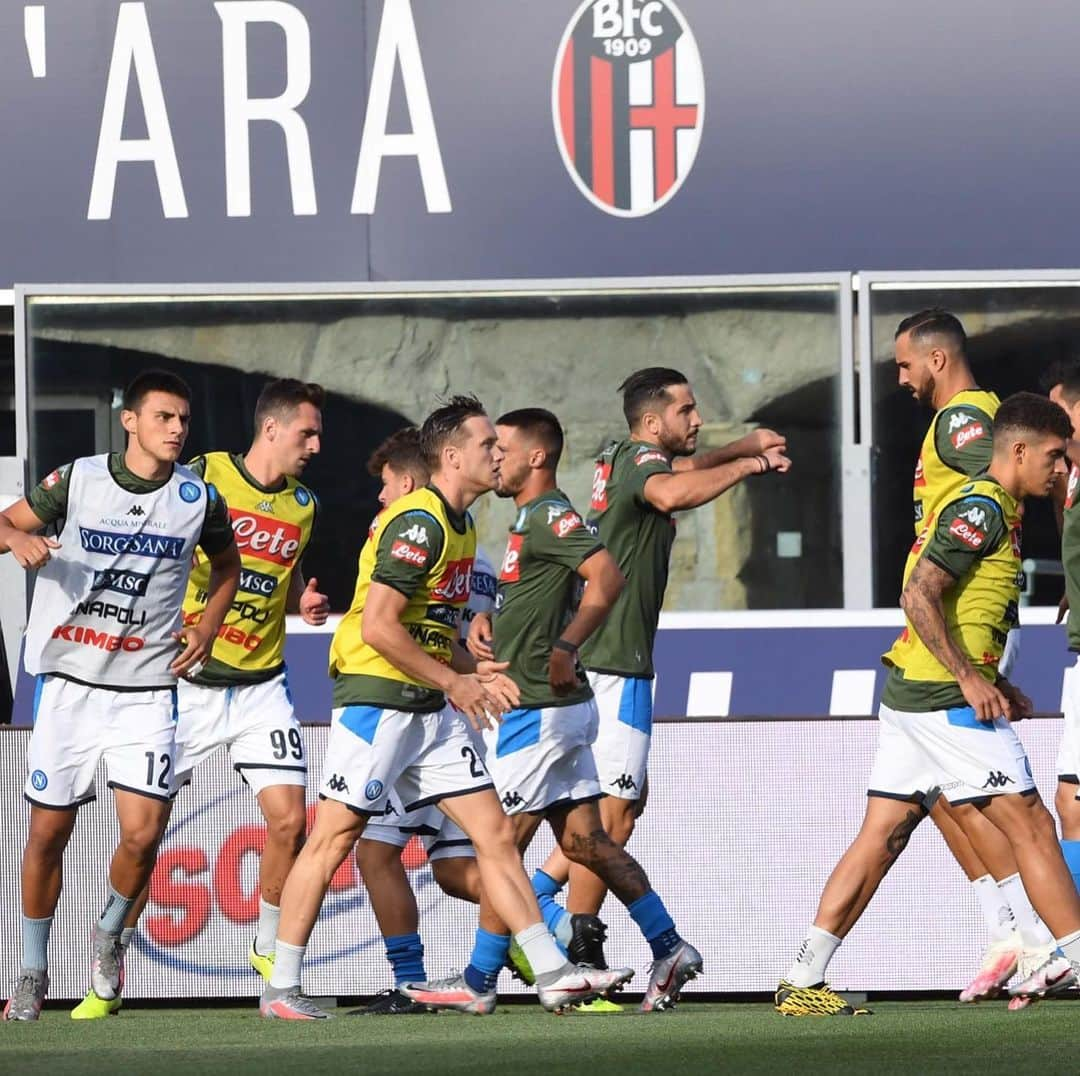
column 766, row 466
column 562, row 644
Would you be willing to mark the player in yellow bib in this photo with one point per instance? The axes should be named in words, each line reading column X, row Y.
column 944, row 728
column 931, row 361
column 401, row 688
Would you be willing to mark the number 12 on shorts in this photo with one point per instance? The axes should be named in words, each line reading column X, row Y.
column 162, row 765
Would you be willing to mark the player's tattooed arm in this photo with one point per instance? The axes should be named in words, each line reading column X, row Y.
column 923, row 604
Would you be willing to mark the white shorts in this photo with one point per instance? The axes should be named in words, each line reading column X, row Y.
column 621, row 749
column 947, row 751
column 75, row 726
column 441, row 838
column 254, row 721
column 541, row 759
column 426, row 758
column 1068, row 757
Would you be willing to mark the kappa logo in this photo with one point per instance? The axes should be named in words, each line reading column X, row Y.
column 415, row 533
column 136, row 510
column 625, row 782
column 264, row 506
column 997, row 780
column 975, row 515
column 958, row 420
column 628, row 102
column 337, row 784
column 511, row 800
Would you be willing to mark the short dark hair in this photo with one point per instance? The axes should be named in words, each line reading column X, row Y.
column 154, row 381
column 1031, row 413
column 282, row 397
column 541, row 425
column 934, row 322
column 401, row 452
column 647, row 388
column 444, row 424
column 1066, row 373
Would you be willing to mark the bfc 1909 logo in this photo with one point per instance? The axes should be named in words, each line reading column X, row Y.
column 628, row 101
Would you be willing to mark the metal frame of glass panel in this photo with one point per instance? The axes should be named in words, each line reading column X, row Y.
column 854, row 456
column 882, row 280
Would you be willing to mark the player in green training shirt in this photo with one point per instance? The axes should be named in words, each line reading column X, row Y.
column 540, row 757
column 639, row 484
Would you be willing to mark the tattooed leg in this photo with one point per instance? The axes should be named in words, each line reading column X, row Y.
column 583, row 839
column 886, row 830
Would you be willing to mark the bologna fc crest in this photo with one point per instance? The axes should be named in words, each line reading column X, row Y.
column 628, row 100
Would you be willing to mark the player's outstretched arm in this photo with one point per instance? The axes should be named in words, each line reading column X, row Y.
column 683, row 490
column 605, row 584
column 17, row 525
column 755, row 443
column 198, row 639
column 922, row 602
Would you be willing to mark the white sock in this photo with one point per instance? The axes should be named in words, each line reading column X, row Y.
column 1070, row 947
column 287, row 961
column 266, row 933
column 540, row 949
column 1000, row 921
column 813, row 957
column 1032, row 928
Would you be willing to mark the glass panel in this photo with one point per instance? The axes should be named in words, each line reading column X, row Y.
column 754, row 355
column 1014, row 332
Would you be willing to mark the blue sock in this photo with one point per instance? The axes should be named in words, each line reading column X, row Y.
column 115, row 912
column 406, row 955
column 35, row 943
column 547, row 889
column 1071, row 850
column 487, row 960
column 658, row 927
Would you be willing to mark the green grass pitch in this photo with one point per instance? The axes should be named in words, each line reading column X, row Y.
column 902, row 1037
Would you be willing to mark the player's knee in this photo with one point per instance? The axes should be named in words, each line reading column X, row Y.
column 286, row 828
column 140, row 841
column 620, row 824
column 46, row 844
column 496, row 839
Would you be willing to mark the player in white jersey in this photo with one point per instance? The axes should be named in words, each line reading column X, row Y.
column 241, row 699
column 399, row 464
column 106, row 645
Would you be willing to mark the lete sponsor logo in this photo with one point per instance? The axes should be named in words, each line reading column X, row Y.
column 628, row 102
column 411, row 554
column 966, row 434
column 453, row 586
column 264, row 537
column 601, row 477
column 567, row 522
column 510, row 572
column 967, row 534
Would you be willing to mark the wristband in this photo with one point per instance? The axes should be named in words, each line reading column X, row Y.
column 766, row 467
column 562, row 644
